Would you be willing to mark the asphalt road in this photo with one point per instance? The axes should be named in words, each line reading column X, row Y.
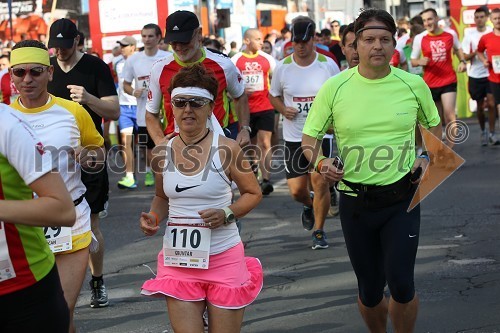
column 457, row 271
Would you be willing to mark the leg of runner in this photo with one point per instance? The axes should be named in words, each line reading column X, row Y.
column 449, row 101
column 376, row 317
column 264, row 144
column 403, row 316
column 99, row 297
column 72, row 268
column 481, row 120
column 300, row 192
column 224, row 320
column 186, row 316
column 321, row 204
column 128, row 182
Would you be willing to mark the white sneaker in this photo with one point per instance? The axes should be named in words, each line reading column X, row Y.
column 493, row 140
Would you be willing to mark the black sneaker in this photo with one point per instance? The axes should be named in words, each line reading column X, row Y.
column 319, row 240
column 266, row 187
column 307, row 218
column 99, row 296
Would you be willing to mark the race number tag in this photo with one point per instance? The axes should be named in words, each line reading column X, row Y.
column 187, row 245
column 254, row 80
column 303, row 105
column 495, row 62
column 58, row 238
column 143, row 82
column 6, row 268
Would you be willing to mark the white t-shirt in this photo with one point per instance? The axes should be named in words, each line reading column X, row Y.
column 123, row 97
column 138, row 69
column 298, row 86
column 469, row 44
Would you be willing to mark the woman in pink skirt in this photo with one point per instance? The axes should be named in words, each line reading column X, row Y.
column 202, row 263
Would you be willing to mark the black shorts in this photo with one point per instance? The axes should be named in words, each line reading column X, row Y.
column 231, row 131
column 40, row 307
column 382, row 246
column 437, row 92
column 478, row 88
column 296, row 164
column 97, row 185
column 262, row 121
column 143, row 137
column 495, row 90
column 328, row 147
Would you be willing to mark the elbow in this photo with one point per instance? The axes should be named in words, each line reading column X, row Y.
column 67, row 217
column 116, row 114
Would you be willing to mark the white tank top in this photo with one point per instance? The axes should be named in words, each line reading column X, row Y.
column 210, row 188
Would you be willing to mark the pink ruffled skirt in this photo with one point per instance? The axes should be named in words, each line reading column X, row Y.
column 232, row 280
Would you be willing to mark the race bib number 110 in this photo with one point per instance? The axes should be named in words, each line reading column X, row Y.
column 187, row 245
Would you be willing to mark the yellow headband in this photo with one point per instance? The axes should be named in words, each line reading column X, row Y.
column 29, row 55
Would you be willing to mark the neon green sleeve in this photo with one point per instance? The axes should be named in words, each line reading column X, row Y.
column 320, row 116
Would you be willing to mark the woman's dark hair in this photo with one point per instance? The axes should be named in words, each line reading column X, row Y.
column 195, row 76
column 378, row 15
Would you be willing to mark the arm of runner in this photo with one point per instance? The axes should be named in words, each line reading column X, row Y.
column 150, row 222
column 106, row 107
column 481, row 48
column 154, row 127
column 241, row 105
column 416, row 53
column 127, row 87
column 462, row 66
column 287, row 111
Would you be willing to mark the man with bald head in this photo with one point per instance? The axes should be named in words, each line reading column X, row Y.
column 256, row 67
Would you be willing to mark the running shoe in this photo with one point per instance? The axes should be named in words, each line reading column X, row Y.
column 307, row 218
column 266, row 187
column 319, row 240
column 484, row 139
column 99, row 296
column 493, row 140
column 150, row 179
column 127, row 183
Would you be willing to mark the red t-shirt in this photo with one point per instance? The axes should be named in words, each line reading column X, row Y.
column 228, row 76
column 9, row 90
column 438, row 48
column 491, row 44
column 255, row 70
column 395, row 58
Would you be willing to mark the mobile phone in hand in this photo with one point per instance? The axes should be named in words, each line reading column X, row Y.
column 337, row 162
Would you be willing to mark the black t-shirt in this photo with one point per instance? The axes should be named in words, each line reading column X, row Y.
column 337, row 50
column 92, row 74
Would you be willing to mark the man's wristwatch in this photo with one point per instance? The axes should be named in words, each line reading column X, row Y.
column 248, row 128
column 463, row 61
column 229, row 216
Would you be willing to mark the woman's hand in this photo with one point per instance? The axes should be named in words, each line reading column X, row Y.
column 149, row 224
column 212, row 217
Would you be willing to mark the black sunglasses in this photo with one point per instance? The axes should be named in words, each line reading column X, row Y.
column 34, row 71
column 194, row 103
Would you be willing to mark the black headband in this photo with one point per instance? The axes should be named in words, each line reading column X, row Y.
column 373, row 27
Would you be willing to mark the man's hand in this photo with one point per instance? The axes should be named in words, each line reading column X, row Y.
column 461, row 67
column 88, row 159
column 486, row 64
column 78, row 94
column 330, row 172
column 290, row 113
column 137, row 92
column 243, row 138
column 422, row 163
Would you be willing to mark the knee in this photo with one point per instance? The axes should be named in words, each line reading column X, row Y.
column 299, row 194
column 371, row 292
column 402, row 291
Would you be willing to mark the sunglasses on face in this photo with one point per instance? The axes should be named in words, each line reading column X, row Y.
column 34, row 71
column 194, row 103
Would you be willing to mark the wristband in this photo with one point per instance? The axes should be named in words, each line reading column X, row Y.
column 319, row 163
column 425, row 156
column 248, row 128
column 463, row 61
column 156, row 217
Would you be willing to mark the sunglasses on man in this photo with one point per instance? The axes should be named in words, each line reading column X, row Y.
column 34, row 71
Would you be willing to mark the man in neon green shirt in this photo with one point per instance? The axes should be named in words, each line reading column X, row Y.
column 373, row 108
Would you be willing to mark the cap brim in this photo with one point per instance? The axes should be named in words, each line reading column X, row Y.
column 123, row 45
column 61, row 43
column 179, row 37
